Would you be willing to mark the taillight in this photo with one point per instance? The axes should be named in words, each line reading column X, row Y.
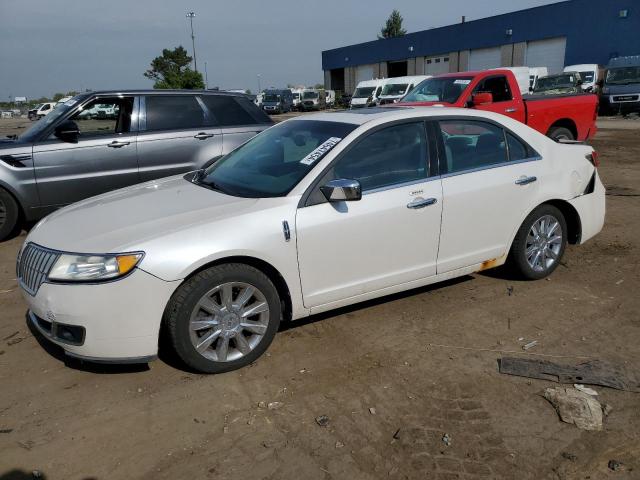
column 593, row 158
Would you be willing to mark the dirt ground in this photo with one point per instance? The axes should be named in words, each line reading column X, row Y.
column 393, row 376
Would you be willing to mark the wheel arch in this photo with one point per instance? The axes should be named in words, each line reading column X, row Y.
column 565, row 123
column 22, row 217
column 571, row 216
column 265, row 267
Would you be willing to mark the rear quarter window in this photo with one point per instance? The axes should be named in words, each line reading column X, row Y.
column 228, row 111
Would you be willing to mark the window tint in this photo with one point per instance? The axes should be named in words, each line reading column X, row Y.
column 517, row 149
column 227, row 111
column 165, row 112
column 471, row 144
column 257, row 114
column 105, row 116
column 387, row 157
column 498, row 87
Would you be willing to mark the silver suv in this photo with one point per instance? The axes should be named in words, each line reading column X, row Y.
column 102, row 141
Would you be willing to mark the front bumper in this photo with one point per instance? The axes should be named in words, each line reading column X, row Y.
column 620, row 103
column 119, row 320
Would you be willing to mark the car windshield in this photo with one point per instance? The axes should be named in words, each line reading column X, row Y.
column 587, row 77
column 271, row 97
column 395, row 89
column 562, row 83
column 438, row 89
column 363, row 92
column 623, row 75
column 41, row 125
column 310, row 95
column 273, row 162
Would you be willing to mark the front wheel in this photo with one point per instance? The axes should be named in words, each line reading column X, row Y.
column 540, row 243
column 9, row 214
column 560, row 133
column 223, row 318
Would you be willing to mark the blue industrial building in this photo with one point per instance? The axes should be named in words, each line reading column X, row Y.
column 554, row 35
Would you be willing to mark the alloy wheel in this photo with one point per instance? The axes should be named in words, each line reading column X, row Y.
column 229, row 321
column 544, row 243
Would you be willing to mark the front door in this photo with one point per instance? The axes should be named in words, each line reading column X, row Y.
column 389, row 237
column 490, row 181
column 103, row 159
column 503, row 99
column 176, row 136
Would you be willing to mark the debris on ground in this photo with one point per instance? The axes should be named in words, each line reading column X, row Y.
column 396, row 435
column 339, row 444
column 6, row 430
column 592, row 372
column 262, row 404
column 576, row 407
column 509, row 290
column 615, row 465
column 322, row 420
column 587, row 390
column 14, row 341
column 569, row 456
column 447, row 440
column 530, row 345
column 36, row 474
column 372, row 410
column 275, row 405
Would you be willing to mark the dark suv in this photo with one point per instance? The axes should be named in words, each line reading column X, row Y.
column 72, row 154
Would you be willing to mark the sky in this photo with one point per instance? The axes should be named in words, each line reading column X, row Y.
column 49, row 46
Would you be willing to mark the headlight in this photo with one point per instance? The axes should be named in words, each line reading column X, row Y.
column 85, row 268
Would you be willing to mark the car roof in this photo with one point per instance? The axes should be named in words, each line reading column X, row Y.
column 164, row 92
column 361, row 116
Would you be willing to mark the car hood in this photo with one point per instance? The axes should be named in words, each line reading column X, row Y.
column 122, row 220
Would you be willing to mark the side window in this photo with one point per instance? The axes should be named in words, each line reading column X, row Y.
column 378, row 91
column 471, row 144
column 46, row 107
column 173, row 112
column 105, row 116
column 518, row 150
column 227, row 111
column 498, row 87
column 391, row 156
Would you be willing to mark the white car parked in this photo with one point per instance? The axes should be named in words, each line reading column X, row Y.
column 315, row 213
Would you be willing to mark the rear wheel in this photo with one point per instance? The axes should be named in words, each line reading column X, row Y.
column 223, row 318
column 560, row 133
column 539, row 243
column 9, row 214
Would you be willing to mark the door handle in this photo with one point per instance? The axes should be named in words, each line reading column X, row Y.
column 117, row 144
column 525, row 180
column 203, row 135
column 422, row 202
column 511, row 110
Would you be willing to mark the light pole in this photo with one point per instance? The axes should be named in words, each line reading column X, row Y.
column 191, row 16
column 206, row 77
column 259, row 91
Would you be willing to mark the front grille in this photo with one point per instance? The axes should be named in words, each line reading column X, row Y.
column 34, row 264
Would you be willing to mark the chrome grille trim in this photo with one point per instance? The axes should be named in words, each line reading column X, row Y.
column 34, row 264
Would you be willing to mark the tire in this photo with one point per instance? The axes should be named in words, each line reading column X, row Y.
column 526, row 246
column 198, row 310
column 9, row 214
column 560, row 133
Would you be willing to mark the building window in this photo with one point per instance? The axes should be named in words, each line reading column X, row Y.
column 428, row 61
column 446, row 59
column 437, row 60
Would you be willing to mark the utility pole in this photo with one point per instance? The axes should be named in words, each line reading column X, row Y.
column 191, row 16
column 259, row 91
column 206, row 77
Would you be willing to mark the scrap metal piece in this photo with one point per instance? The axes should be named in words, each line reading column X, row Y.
column 592, row 372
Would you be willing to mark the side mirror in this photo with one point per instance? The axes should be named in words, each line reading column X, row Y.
column 482, row 98
column 342, row 190
column 67, row 131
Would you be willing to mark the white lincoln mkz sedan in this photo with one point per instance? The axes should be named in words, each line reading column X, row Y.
column 315, row 213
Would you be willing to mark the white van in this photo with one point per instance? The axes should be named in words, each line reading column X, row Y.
column 398, row 87
column 589, row 73
column 367, row 93
column 534, row 74
column 522, row 77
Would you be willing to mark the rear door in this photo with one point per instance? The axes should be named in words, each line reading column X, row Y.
column 505, row 101
column 490, row 181
column 103, row 159
column 238, row 118
column 176, row 136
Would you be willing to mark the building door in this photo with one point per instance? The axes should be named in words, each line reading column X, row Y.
column 364, row 72
column 436, row 65
column 484, row 58
column 397, row 69
column 546, row 53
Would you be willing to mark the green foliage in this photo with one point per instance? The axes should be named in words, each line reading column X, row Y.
column 393, row 27
column 319, row 86
column 171, row 70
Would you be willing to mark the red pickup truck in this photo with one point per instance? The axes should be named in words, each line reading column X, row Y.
column 567, row 116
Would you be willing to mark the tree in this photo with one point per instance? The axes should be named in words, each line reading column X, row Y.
column 171, row 70
column 393, row 27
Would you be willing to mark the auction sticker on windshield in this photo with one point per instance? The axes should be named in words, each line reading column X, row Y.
column 320, row 151
column 462, row 81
